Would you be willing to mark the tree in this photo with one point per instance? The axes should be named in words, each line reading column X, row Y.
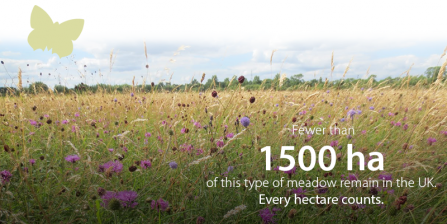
column 296, row 79
column 432, row 73
column 257, row 80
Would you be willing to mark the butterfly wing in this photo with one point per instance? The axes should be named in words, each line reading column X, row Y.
column 40, row 19
column 67, row 32
column 71, row 29
column 42, row 25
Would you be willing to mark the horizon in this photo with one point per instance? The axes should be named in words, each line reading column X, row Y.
column 240, row 44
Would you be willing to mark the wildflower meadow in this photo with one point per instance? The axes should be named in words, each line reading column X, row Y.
column 149, row 156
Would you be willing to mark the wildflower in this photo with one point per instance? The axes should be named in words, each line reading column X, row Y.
column 431, row 141
column 173, row 165
column 76, row 114
column 220, row 143
column 230, row 135
column 146, row 164
column 147, row 135
column 33, row 122
column 371, row 108
column 405, row 127
column 110, row 150
column 160, row 204
column 127, row 198
column 334, row 143
column 385, row 176
column 112, row 166
column 352, row 177
column 214, row 94
column 252, row 99
column 200, row 220
column 267, row 215
column 32, row 161
column 131, row 94
column 351, row 113
column 72, row 158
column 5, row 176
column 241, row 79
column 299, row 192
column 245, row 121
column 230, row 168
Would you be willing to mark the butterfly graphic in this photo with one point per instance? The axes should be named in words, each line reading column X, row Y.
column 54, row 36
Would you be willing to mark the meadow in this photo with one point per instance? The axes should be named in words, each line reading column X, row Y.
column 145, row 157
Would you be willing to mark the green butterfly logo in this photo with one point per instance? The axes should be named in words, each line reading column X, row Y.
column 57, row 37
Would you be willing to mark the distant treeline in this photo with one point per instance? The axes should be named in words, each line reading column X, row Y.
column 295, row 82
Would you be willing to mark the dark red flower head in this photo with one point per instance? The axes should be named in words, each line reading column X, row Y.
column 214, row 93
column 241, row 79
column 252, row 99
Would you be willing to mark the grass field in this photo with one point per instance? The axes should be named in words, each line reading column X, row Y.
column 145, row 157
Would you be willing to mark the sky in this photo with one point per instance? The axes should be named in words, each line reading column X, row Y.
column 185, row 39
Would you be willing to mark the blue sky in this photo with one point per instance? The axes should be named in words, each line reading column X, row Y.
column 225, row 39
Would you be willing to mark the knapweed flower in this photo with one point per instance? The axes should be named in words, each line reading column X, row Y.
column 431, row 141
column 147, row 135
column 160, row 205
column 220, row 143
column 72, row 158
column 245, row 121
column 112, row 166
column 145, row 164
column 173, row 165
column 352, row 177
column 5, row 176
column 267, row 215
column 299, row 192
column 334, row 143
column 131, row 94
column 32, row 161
column 230, row 168
column 125, row 199
column 33, row 122
column 230, row 135
column 214, row 94
column 385, row 176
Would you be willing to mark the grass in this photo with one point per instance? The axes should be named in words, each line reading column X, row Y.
column 53, row 190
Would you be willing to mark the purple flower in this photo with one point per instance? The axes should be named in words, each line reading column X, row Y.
column 230, row 135
column 113, row 166
column 322, row 189
column 352, row 177
column 299, row 192
column 334, row 143
column 32, row 161
column 131, row 94
column 72, row 158
column 33, row 122
column 220, row 143
column 351, row 113
column 76, row 114
column 230, row 168
column 385, row 176
column 431, row 141
column 147, row 135
column 127, row 198
column 173, row 165
column 245, row 121
column 291, row 171
column 146, row 164
column 267, row 215
column 160, row 204
column 5, row 176
column 371, row 108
